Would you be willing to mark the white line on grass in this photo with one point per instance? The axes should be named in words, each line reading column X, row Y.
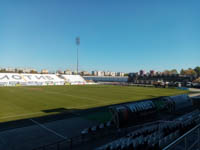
column 50, row 130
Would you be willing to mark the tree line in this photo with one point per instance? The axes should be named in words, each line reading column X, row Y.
column 189, row 71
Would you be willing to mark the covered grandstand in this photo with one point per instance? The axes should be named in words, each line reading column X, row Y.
column 73, row 79
column 16, row 79
column 106, row 78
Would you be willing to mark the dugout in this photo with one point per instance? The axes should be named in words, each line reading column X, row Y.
column 126, row 114
column 133, row 113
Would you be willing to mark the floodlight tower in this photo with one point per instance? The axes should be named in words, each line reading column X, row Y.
column 77, row 43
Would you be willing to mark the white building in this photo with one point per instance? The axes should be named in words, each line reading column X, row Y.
column 106, row 73
column 121, row 74
column 28, row 70
column 68, row 72
column 142, row 72
column 113, row 74
column 97, row 73
column 44, row 71
column 10, row 69
column 100, row 73
column 94, row 73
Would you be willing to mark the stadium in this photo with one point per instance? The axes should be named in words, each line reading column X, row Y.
column 132, row 83
column 52, row 111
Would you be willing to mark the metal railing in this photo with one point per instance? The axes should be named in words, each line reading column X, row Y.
column 188, row 141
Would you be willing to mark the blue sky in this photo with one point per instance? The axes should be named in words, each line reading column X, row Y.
column 115, row 35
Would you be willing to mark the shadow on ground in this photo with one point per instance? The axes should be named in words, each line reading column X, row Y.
column 62, row 113
column 56, row 114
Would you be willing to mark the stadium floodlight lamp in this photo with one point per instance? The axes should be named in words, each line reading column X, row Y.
column 77, row 43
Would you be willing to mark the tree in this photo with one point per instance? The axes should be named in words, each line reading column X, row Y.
column 189, row 72
column 3, row 70
column 197, row 80
column 20, row 71
column 182, row 72
column 197, row 70
column 126, row 74
column 166, row 72
column 169, row 72
column 33, row 72
column 174, row 71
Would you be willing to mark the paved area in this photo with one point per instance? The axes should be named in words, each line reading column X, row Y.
column 38, row 134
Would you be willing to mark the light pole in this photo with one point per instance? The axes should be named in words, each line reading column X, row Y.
column 77, row 43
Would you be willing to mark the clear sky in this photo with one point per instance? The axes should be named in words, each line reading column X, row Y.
column 116, row 35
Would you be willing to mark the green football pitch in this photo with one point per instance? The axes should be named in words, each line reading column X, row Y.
column 26, row 102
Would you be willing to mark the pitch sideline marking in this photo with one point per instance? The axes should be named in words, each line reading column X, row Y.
column 50, row 130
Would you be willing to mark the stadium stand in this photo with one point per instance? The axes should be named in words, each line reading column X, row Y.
column 48, row 79
column 97, row 128
column 16, row 79
column 7, row 79
column 74, row 79
column 155, row 137
column 106, row 78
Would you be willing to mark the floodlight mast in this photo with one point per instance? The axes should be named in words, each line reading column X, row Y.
column 77, row 43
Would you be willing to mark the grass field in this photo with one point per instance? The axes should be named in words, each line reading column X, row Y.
column 25, row 102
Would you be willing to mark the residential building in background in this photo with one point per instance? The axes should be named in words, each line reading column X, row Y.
column 94, row 73
column 9, row 69
column 44, row 71
column 68, row 72
column 107, row 73
column 121, row 74
column 113, row 74
column 85, row 73
column 142, row 72
column 152, row 72
column 59, row 72
column 100, row 73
